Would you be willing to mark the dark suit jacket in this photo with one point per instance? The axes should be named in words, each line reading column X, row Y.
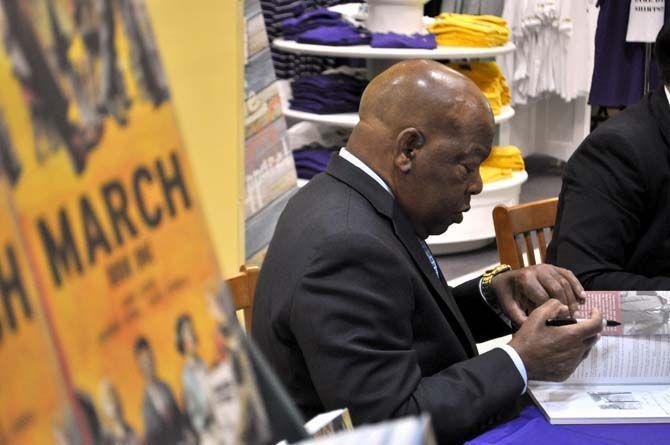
column 613, row 222
column 351, row 314
column 157, row 429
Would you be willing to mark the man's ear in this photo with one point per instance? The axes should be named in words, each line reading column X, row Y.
column 408, row 142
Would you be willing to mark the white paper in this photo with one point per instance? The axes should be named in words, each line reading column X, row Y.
column 626, row 360
column 645, row 20
column 565, row 404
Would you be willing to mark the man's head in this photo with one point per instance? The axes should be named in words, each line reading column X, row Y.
column 145, row 358
column 662, row 51
column 424, row 128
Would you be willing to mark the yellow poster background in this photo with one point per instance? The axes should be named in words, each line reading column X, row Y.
column 33, row 401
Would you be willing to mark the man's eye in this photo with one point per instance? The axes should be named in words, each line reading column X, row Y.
column 468, row 168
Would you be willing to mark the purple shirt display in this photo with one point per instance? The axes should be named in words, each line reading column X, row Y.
column 531, row 427
column 344, row 35
column 327, row 93
column 311, row 161
column 309, row 20
column 394, row 40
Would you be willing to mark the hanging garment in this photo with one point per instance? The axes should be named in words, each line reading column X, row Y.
column 618, row 73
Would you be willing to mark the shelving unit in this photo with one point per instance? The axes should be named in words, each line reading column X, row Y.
column 476, row 230
column 349, row 120
column 367, row 52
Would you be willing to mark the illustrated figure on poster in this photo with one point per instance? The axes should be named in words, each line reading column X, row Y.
column 645, row 313
column 113, row 99
column 238, row 405
column 48, row 100
column 144, row 51
column 164, row 423
column 115, row 428
column 68, row 66
column 195, row 381
column 9, row 163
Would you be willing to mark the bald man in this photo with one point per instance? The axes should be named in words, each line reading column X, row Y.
column 351, row 308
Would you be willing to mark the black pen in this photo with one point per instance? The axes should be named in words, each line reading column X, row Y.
column 569, row 321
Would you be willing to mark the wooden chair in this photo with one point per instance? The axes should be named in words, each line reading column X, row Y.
column 243, row 287
column 515, row 225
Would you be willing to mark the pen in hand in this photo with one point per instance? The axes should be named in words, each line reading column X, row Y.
column 568, row 321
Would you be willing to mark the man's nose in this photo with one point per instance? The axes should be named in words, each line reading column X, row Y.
column 477, row 185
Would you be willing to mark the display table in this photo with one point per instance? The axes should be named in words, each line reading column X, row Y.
column 349, row 120
column 531, row 427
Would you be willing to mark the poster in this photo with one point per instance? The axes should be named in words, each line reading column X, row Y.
column 107, row 210
column 270, row 176
column 29, row 413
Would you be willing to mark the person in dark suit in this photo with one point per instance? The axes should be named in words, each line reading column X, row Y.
column 351, row 308
column 612, row 227
column 164, row 423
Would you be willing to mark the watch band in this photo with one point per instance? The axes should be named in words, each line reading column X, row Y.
column 487, row 278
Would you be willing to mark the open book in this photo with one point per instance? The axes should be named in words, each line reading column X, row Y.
column 626, row 377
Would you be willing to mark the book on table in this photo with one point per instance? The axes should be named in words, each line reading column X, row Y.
column 626, row 376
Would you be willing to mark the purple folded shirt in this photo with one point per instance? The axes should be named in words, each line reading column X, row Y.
column 311, row 161
column 310, row 20
column 327, row 93
column 340, row 35
column 394, row 40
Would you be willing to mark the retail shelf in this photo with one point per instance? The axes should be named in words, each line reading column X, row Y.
column 349, row 120
column 367, row 52
column 345, row 120
column 477, row 230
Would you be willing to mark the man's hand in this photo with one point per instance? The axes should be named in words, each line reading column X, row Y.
column 553, row 353
column 522, row 290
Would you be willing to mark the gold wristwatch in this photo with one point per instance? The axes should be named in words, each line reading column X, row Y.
column 487, row 278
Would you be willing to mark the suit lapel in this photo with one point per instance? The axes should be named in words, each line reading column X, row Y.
column 410, row 240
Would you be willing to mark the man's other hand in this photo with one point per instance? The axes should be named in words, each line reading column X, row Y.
column 522, row 290
column 553, row 353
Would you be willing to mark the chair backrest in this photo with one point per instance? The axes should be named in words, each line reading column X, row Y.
column 243, row 287
column 516, row 225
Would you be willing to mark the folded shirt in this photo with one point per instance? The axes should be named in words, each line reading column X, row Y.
column 309, row 20
column 312, row 160
column 327, row 93
column 395, row 40
column 489, row 78
column 469, row 30
column 335, row 35
column 502, row 162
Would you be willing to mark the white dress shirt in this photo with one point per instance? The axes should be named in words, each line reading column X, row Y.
column 347, row 155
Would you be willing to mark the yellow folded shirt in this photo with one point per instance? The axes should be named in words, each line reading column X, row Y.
column 490, row 79
column 469, row 30
column 492, row 174
column 505, row 157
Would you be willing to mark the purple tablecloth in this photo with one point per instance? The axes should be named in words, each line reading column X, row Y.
column 532, row 428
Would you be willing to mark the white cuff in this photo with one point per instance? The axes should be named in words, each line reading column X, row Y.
column 518, row 363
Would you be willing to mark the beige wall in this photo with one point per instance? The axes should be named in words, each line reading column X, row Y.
column 201, row 47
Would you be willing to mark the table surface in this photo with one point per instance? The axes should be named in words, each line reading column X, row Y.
column 531, row 427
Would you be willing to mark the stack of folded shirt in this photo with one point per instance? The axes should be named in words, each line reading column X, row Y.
column 327, row 93
column 490, row 79
column 469, row 30
column 501, row 163
column 394, row 40
column 312, row 159
column 324, row 27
